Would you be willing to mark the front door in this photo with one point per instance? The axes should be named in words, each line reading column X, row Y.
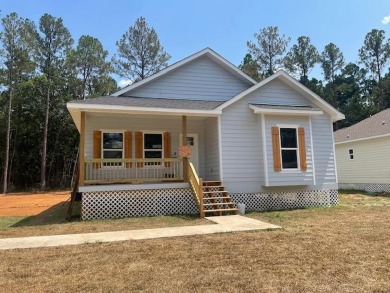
column 192, row 141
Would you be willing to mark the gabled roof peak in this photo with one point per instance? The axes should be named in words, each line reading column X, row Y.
column 295, row 85
column 205, row 52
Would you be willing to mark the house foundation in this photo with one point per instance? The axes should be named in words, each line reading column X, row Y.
column 137, row 203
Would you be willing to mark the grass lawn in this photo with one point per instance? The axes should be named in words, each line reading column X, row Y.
column 345, row 248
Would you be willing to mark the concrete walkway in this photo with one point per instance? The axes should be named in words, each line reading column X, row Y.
column 223, row 224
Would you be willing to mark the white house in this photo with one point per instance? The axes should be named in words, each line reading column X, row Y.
column 363, row 154
column 268, row 145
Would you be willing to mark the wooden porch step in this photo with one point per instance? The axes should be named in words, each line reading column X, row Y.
column 212, row 183
column 213, row 187
column 221, row 210
column 215, row 192
column 217, row 197
column 219, row 204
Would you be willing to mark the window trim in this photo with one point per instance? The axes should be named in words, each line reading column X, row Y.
column 103, row 131
column 286, row 170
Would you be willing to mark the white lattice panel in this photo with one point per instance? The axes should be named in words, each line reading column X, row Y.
column 370, row 187
column 153, row 202
column 286, row 200
column 137, row 203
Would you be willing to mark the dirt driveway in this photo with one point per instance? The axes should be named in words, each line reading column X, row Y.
column 30, row 204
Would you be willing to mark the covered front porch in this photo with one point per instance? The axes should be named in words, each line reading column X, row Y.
column 120, row 148
column 147, row 153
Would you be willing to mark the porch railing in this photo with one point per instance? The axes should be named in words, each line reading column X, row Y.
column 132, row 170
column 196, row 184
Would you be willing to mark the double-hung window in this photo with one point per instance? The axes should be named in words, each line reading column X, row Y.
column 351, row 155
column 289, row 148
column 153, row 146
column 112, row 147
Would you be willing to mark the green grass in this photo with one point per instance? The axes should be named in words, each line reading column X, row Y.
column 7, row 222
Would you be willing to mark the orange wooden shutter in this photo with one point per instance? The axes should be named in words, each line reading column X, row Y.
column 167, row 147
column 139, row 146
column 128, row 147
column 302, row 148
column 97, row 147
column 276, row 149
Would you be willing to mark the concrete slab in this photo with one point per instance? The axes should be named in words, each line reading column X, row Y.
column 223, row 224
column 240, row 223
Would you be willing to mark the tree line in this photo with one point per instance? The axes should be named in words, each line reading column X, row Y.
column 357, row 89
column 41, row 69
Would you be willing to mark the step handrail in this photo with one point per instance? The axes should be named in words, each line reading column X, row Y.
column 197, row 187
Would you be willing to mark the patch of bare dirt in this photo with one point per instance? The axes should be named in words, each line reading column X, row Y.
column 27, row 204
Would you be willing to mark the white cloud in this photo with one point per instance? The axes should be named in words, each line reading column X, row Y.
column 386, row 19
column 124, row 82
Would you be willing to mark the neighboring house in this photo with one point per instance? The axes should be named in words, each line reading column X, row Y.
column 270, row 144
column 363, row 154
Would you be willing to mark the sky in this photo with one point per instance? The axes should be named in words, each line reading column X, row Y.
column 186, row 27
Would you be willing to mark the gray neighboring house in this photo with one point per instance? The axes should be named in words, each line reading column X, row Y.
column 149, row 148
column 363, row 156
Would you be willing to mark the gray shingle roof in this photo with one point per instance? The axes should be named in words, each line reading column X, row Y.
column 152, row 103
column 378, row 124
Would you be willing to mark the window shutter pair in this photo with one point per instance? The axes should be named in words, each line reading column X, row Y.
column 97, row 147
column 276, row 149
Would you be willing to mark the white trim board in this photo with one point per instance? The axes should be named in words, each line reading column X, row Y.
column 297, row 112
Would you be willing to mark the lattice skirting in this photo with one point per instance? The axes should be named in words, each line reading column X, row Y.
column 286, row 200
column 370, row 187
column 137, row 203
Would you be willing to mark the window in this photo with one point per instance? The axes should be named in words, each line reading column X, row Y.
column 153, row 146
column 112, row 147
column 289, row 148
column 350, row 151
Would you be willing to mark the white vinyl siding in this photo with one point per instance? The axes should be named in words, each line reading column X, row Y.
column 277, row 93
column 242, row 156
column 201, row 79
column 212, row 149
column 371, row 163
column 325, row 166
